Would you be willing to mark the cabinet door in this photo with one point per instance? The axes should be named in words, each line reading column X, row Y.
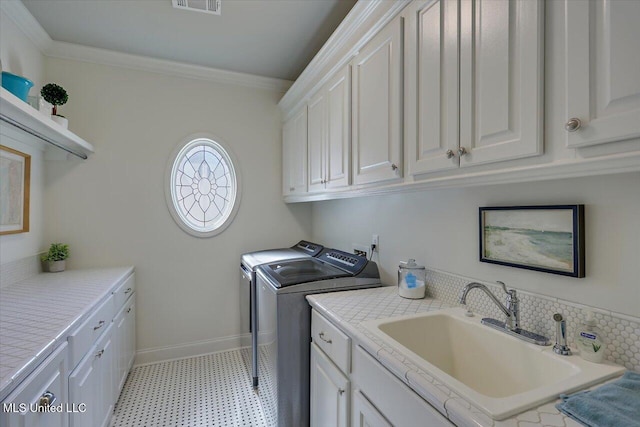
column 329, row 392
column 91, row 384
column 317, row 125
column 338, row 150
column 431, row 85
column 124, row 339
column 48, row 380
column 501, row 80
column 377, row 107
column 365, row 414
column 294, row 153
column 603, row 69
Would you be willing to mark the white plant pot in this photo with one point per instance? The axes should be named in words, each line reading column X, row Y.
column 62, row 121
column 56, row 266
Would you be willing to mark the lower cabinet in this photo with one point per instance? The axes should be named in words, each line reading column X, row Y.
column 79, row 383
column 125, row 341
column 379, row 398
column 365, row 414
column 329, row 392
column 34, row 403
column 91, row 384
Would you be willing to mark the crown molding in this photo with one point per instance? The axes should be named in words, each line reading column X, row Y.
column 179, row 69
column 363, row 22
column 24, row 20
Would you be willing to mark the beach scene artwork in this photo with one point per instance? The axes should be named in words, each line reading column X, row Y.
column 538, row 238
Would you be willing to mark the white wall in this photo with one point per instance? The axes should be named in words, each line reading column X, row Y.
column 439, row 228
column 20, row 56
column 111, row 208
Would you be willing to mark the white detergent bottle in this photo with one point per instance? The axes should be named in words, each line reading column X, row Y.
column 411, row 280
column 590, row 340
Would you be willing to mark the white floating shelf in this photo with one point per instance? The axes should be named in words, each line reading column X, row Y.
column 18, row 113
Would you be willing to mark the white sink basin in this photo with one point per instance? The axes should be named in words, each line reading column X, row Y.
column 499, row 374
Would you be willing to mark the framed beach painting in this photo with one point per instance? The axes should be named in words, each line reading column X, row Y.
column 541, row 238
column 15, row 174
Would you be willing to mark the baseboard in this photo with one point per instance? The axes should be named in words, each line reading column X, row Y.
column 191, row 349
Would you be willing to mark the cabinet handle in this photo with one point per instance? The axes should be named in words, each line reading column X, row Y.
column 100, row 325
column 100, row 353
column 321, row 335
column 47, row 399
column 127, row 291
column 129, row 311
column 340, row 391
column 394, row 167
column 292, row 188
column 573, row 124
column 450, row 154
column 462, row 151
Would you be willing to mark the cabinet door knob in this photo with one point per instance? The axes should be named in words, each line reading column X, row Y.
column 47, row 399
column 450, row 154
column 394, row 167
column 462, row 151
column 573, row 124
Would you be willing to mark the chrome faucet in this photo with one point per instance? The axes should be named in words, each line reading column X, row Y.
column 511, row 325
column 511, row 310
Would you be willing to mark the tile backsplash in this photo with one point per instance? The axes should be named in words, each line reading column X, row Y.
column 19, row 270
column 621, row 332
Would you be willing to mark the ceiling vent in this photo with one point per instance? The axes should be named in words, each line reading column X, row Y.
column 206, row 6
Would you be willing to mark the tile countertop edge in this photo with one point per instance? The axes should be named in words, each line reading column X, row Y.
column 8, row 384
column 454, row 407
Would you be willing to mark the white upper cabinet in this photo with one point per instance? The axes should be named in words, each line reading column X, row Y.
column 294, row 154
column 338, row 169
column 329, row 113
column 317, row 140
column 501, row 80
column 431, row 85
column 377, row 107
column 474, row 82
column 603, row 71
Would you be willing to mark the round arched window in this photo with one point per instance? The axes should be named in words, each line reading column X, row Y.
column 203, row 191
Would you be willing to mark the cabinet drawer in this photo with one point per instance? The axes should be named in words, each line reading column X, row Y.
column 332, row 341
column 392, row 398
column 81, row 340
column 48, row 380
column 124, row 291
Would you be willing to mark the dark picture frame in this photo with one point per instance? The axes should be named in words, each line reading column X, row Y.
column 540, row 238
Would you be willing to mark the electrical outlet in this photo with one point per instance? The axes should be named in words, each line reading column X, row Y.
column 360, row 250
column 375, row 243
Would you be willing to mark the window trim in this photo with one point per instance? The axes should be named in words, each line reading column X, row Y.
column 168, row 184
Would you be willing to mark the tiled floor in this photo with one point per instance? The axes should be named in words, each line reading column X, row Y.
column 212, row 390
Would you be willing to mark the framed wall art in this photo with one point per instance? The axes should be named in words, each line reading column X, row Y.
column 541, row 238
column 15, row 175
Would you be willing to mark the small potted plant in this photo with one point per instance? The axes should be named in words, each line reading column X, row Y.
column 55, row 258
column 55, row 95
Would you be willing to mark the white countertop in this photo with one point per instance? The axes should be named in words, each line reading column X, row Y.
column 348, row 309
column 38, row 313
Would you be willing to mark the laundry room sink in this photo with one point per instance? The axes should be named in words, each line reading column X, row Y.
column 498, row 373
